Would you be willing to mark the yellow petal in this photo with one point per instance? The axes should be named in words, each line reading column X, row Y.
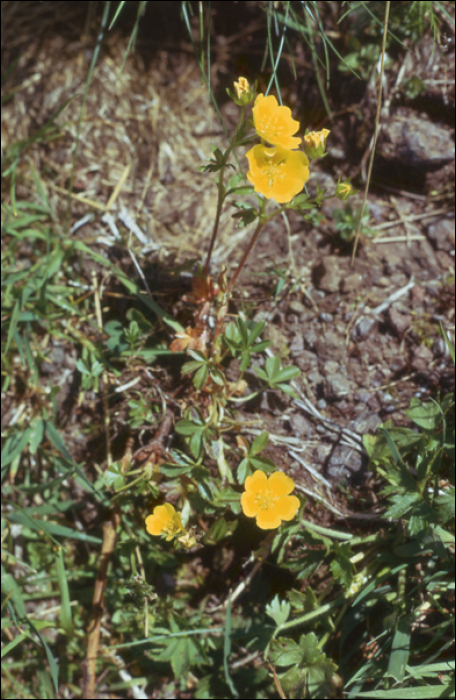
column 280, row 484
column 268, row 519
column 287, row 507
column 249, row 504
column 162, row 516
column 274, row 123
column 257, row 483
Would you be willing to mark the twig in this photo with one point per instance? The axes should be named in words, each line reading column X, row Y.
column 400, row 239
column 412, row 217
column 104, row 392
column 374, row 137
column 310, row 469
column 107, row 548
column 392, row 298
column 354, row 439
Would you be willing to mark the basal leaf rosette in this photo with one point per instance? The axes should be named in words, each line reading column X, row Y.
column 277, row 173
column 165, row 522
column 268, row 499
column 274, row 123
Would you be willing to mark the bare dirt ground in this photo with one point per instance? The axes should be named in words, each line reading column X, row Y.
column 364, row 335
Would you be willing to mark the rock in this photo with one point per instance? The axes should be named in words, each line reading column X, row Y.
column 315, row 378
column 328, row 274
column 343, row 462
column 441, row 234
column 326, row 318
column 421, row 358
column 331, row 347
column 364, row 327
column 413, row 139
column 311, row 338
column 362, row 395
column 296, row 346
column 306, row 361
column 352, row 282
column 330, row 367
column 337, row 385
column 399, row 322
column 300, row 426
column 426, row 257
column 296, row 307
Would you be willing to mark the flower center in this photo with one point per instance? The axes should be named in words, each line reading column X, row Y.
column 273, row 171
column 265, row 500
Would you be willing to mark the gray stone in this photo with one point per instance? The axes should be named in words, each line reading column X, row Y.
column 343, row 462
column 364, row 327
column 366, row 423
column 337, row 385
column 331, row 346
column 399, row 322
column 326, row 318
column 352, row 282
column 328, row 274
column 296, row 307
column 310, row 338
column 422, row 357
column 441, row 234
column 300, row 425
column 296, row 346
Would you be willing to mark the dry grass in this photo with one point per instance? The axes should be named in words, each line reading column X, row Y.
column 145, row 131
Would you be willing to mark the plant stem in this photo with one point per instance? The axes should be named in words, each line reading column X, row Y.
column 253, row 240
column 221, row 195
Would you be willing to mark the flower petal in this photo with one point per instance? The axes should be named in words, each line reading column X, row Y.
column 268, row 519
column 280, row 484
column 257, row 483
column 274, row 123
column 276, row 172
column 287, row 507
column 249, row 504
column 162, row 516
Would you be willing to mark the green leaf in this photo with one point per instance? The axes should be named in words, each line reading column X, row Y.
column 425, row 415
column 200, row 378
column 189, row 367
column 66, row 619
column 400, row 649
column 187, row 427
column 279, row 611
column 450, row 345
column 259, row 443
column 446, row 504
column 227, row 649
column 13, row 446
column 392, row 446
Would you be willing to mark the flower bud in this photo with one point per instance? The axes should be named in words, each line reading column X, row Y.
column 245, row 94
column 344, row 190
column 315, row 143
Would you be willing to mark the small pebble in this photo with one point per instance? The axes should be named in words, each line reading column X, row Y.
column 326, row 318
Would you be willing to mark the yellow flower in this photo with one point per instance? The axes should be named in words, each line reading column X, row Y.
column 164, row 521
column 315, row 143
column 267, row 499
column 275, row 124
column 276, row 172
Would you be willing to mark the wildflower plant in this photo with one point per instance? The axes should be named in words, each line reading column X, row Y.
column 277, row 172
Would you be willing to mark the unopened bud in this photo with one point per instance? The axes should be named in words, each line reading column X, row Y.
column 343, row 190
column 315, row 143
column 245, row 94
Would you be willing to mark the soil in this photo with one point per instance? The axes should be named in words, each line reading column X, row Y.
column 365, row 334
